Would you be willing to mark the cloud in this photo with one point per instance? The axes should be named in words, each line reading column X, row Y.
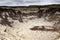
column 27, row 2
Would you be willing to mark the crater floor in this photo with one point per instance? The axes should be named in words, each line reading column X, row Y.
column 21, row 31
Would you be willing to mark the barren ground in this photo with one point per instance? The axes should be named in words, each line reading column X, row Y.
column 21, row 31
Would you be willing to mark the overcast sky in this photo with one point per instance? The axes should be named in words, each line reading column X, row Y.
column 27, row 2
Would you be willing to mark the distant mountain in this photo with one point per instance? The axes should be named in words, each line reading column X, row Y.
column 51, row 5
